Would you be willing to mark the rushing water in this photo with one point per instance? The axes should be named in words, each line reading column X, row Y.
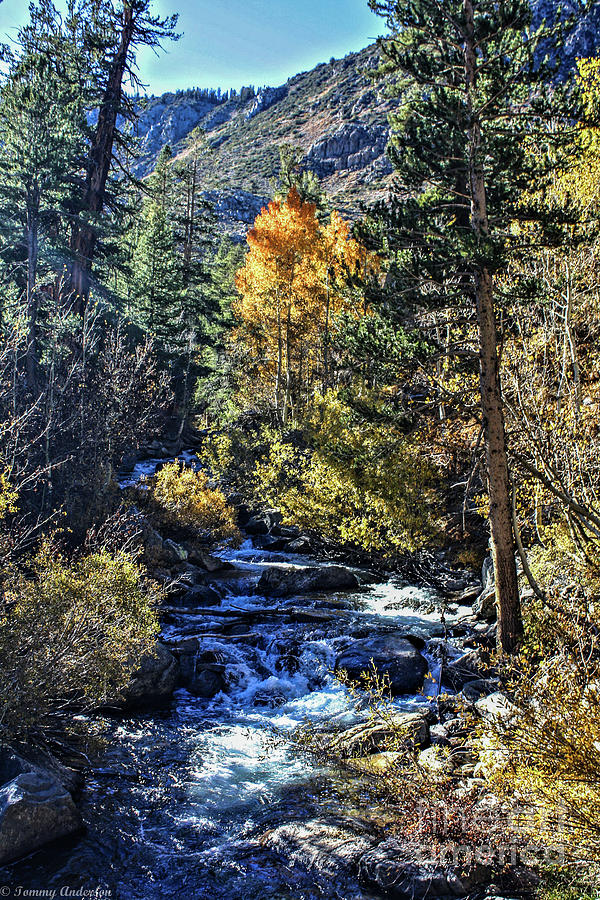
column 183, row 794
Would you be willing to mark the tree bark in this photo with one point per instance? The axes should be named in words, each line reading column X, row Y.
column 510, row 626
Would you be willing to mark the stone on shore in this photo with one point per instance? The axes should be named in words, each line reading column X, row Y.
column 392, row 657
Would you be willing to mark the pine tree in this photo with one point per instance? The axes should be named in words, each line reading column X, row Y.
column 109, row 33
column 293, row 174
column 41, row 141
column 476, row 94
column 194, row 223
column 157, row 281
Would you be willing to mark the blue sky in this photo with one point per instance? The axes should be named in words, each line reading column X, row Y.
column 230, row 43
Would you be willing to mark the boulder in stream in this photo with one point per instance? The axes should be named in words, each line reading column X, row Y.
column 468, row 667
column 329, row 847
column 282, row 582
column 155, row 680
column 267, row 542
column 392, row 733
column 391, row 655
column 301, row 544
column 207, row 561
column 200, row 595
column 208, row 681
column 35, row 807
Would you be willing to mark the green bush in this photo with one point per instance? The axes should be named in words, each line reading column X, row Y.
column 355, row 482
column 71, row 633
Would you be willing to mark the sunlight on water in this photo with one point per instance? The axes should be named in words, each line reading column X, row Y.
column 186, row 793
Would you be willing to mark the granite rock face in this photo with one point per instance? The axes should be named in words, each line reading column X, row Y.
column 351, row 147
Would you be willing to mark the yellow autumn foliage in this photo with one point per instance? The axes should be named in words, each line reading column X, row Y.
column 71, row 633
column 183, row 497
column 355, row 483
column 294, row 282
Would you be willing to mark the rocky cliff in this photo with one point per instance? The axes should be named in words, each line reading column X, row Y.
column 335, row 113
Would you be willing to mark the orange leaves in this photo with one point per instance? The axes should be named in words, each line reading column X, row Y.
column 295, row 278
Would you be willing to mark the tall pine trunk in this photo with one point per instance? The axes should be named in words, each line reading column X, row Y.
column 84, row 236
column 510, row 626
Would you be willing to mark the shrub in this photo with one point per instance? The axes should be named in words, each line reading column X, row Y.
column 545, row 750
column 356, row 482
column 183, row 497
column 70, row 636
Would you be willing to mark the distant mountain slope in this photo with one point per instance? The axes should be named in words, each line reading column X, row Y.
column 334, row 113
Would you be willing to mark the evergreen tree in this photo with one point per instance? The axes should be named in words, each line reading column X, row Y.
column 476, row 98
column 293, row 174
column 194, row 222
column 156, row 267
column 41, row 142
column 109, row 32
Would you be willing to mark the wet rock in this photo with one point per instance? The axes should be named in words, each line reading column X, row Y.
column 475, row 690
column 273, row 517
column 468, row 667
column 290, row 532
column 208, row 681
column 256, row 525
column 37, row 759
column 208, row 562
column 311, row 616
column 402, row 730
column 301, row 544
column 12, row 764
column 269, row 697
column 173, row 553
column 155, row 680
column 201, row 595
column 189, row 575
column 335, row 603
column 391, row 868
column 378, row 763
column 281, row 582
column 266, row 542
column 330, row 847
column 393, row 657
column 35, row 808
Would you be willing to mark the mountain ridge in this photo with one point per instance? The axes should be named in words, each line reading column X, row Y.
column 334, row 113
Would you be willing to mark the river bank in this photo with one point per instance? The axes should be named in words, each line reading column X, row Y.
column 198, row 793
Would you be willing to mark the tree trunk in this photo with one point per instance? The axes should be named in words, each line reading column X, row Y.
column 279, row 357
column 510, row 626
column 287, row 401
column 326, row 334
column 84, row 236
column 186, row 381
